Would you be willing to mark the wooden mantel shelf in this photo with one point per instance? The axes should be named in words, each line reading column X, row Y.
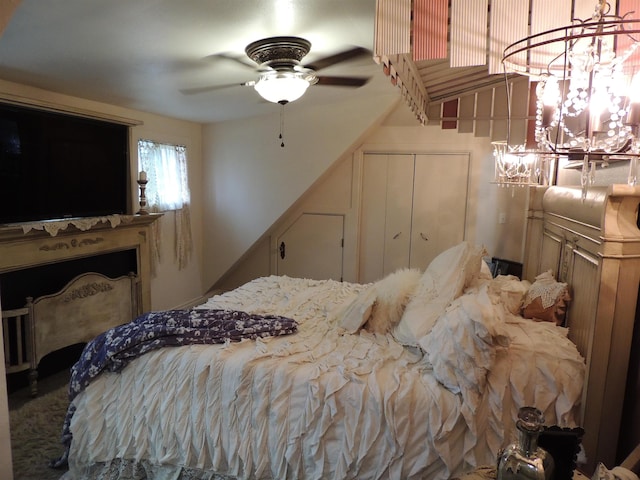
column 16, row 231
column 26, row 245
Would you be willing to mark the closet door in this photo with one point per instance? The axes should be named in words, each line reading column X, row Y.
column 385, row 221
column 439, row 205
column 413, row 207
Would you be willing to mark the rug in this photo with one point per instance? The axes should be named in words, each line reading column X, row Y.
column 35, row 435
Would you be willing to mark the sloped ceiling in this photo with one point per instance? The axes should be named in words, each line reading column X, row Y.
column 183, row 59
column 186, row 59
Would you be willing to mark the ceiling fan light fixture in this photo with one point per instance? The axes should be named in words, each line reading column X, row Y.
column 283, row 87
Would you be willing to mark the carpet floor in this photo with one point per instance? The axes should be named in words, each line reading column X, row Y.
column 36, row 426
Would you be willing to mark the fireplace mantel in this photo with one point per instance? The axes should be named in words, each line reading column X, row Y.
column 29, row 245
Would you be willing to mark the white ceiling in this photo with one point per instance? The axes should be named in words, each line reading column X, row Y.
column 142, row 54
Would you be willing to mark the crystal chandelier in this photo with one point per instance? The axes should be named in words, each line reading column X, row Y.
column 515, row 165
column 588, row 88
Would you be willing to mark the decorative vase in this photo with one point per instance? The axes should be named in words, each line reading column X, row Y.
column 524, row 459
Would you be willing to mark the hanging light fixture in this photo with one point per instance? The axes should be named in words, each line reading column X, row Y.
column 284, row 86
column 520, row 165
column 588, row 92
column 282, row 78
column 515, row 165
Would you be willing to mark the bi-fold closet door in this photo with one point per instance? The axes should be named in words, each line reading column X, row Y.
column 413, row 208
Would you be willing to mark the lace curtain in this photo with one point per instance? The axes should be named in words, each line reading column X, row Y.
column 168, row 190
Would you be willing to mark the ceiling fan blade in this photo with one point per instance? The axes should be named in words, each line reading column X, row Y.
column 342, row 81
column 344, row 56
column 212, row 88
column 238, row 60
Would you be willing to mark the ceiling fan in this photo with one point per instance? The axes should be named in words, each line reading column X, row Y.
column 281, row 76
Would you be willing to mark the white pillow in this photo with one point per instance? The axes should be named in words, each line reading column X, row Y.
column 393, row 293
column 511, row 291
column 463, row 343
column 442, row 282
column 357, row 312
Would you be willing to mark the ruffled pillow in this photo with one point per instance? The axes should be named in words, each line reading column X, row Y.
column 443, row 281
column 356, row 313
column 462, row 345
column 511, row 291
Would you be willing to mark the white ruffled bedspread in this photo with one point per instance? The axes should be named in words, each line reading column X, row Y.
column 325, row 404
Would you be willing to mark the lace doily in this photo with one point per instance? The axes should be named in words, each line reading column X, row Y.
column 546, row 288
column 52, row 227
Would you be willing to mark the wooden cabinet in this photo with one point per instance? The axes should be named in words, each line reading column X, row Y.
column 413, row 207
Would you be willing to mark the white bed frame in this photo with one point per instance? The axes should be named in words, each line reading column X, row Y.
column 592, row 242
column 87, row 306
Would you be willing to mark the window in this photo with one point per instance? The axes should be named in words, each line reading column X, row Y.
column 168, row 190
column 166, row 169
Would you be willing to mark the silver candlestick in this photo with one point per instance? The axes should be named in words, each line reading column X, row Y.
column 143, row 198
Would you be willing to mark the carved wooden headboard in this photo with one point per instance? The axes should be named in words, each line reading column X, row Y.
column 592, row 242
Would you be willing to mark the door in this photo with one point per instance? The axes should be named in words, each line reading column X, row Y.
column 385, row 219
column 413, row 208
column 439, row 206
column 312, row 247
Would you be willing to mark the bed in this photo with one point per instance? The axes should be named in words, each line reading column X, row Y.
column 418, row 375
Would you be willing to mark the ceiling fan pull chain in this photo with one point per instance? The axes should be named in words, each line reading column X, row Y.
column 281, row 125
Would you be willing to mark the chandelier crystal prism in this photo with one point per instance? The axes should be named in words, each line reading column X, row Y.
column 588, row 87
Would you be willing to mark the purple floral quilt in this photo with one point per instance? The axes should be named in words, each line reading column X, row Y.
column 114, row 349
